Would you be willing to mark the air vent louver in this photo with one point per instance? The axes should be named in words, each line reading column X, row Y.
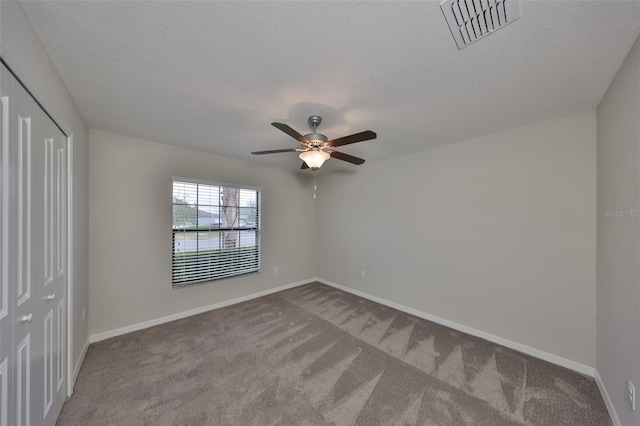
column 471, row 20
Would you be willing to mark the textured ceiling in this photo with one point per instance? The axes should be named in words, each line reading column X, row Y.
column 212, row 75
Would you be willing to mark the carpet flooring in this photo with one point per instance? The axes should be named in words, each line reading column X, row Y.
column 315, row 355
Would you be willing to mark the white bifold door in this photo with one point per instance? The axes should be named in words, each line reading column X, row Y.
column 33, row 303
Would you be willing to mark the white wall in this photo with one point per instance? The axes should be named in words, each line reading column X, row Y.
column 130, row 221
column 495, row 233
column 618, row 247
column 21, row 48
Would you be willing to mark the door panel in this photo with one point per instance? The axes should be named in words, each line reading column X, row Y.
column 23, row 381
column 47, row 385
column 23, row 178
column 47, row 200
column 60, row 206
column 60, row 347
column 55, row 214
column 29, row 327
column 4, row 392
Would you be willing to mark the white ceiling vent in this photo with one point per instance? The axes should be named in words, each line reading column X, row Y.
column 471, row 20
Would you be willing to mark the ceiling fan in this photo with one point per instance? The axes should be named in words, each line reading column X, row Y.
column 316, row 147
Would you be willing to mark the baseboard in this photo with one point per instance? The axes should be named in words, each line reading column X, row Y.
column 146, row 324
column 555, row 359
column 76, row 368
column 607, row 400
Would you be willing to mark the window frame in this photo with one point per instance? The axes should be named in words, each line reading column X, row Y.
column 257, row 228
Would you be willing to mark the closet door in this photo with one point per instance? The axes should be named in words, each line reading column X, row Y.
column 37, row 219
column 51, row 215
column 28, row 331
column 7, row 401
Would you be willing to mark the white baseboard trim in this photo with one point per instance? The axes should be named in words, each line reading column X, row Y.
column 76, row 368
column 146, row 324
column 607, row 400
column 546, row 356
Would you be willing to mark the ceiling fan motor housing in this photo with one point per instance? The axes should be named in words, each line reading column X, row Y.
column 316, row 139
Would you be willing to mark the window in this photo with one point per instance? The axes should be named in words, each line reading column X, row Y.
column 216, row 231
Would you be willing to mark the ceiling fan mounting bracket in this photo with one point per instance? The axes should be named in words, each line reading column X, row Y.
column 314, row 121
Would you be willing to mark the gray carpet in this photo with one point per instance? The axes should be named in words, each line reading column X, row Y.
column 315, row 355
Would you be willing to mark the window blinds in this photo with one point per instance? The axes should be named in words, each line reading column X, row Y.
column 216, row 231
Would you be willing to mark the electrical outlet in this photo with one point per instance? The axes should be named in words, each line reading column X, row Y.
column 363, row 273
column 84, row 314
column 632, row 395
column 276, row 269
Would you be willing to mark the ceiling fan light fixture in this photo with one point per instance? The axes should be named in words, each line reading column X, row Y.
column 314, row 159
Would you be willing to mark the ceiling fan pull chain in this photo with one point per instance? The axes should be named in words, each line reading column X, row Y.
column 315, row 186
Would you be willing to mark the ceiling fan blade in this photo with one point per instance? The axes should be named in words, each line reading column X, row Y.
column 346, row 157
column 274, row 151
column 288, row 130
column 304, row 166
column 356, row 137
